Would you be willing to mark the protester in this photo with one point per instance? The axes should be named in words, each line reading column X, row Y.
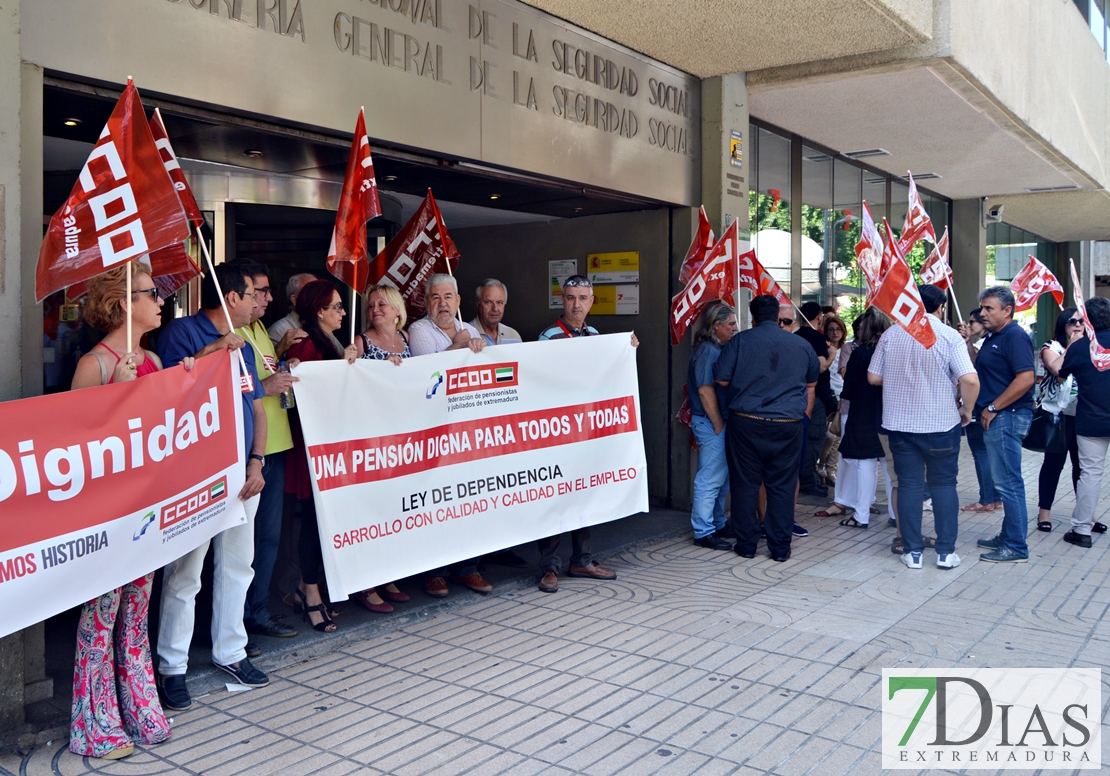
column 928, row 394
column 115, row 701
column 578, row 298
column 1058, row 396
column 815, row 425
column 1005, row 410
column 1092, row 421
column 199, row 335
column 772, row 376
column 438, row 331
column 860, row 447
column 786, row 318
column 287, row 332
column 321, row 312
column 840, row 351
column 988, row 497
column 710, row 411
column 491, row 297
column 267, row 521
column 385, row 339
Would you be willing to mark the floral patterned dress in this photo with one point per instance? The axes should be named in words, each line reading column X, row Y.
column 115, row 701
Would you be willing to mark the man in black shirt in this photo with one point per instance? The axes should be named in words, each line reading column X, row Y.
column 770, row 375
column 815, row 427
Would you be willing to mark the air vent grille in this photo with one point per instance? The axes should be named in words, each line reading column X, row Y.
column 866, row 153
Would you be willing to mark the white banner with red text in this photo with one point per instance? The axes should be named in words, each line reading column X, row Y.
column 453, row 455
column 101, row 486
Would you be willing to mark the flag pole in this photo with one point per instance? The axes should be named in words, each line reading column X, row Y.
column 223, row 301
column 447, row 260
column 952, row 292
column 353, row 298
column 130, row 304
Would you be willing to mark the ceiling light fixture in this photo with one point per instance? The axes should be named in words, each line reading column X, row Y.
column 578, row 210
column 253, row 153
column 495, row 196
column 389, row 178
column 71, row 122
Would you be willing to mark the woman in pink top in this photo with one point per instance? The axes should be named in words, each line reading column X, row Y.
column 115, row 702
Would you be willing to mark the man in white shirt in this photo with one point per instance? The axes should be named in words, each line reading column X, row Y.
column 440, row 329
column 491, row 297
column 288, row 331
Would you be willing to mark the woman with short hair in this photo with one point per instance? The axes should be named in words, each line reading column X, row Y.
column 385, row 339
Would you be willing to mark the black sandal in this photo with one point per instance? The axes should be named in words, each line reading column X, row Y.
column 851, row 522
column 1044, row 525
column 1099, row 528
column 897, row 547
column 300, row 603
column 326, row 624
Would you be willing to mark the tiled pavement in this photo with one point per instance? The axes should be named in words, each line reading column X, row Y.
column 691, row 662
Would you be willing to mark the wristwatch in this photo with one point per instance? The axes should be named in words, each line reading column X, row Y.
column 992, row 408
column 256, row 457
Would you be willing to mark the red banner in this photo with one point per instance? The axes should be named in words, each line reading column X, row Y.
column 421, row 249
column 1033, row 280
column 103, row 485
column 716, row 279
column 349, row 256
column 936, row 271
column 123, row 206
column 1100, row 356
column 869, row 251
column 898, row 298
column 917, row 225
column 698, row 250
column 754, row 277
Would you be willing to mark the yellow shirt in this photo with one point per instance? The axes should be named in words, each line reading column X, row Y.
column 278, row 435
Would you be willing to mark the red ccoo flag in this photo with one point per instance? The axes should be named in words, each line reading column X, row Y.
column 716, row 279
column 869, row 252
column 1100, row 356
column 754, row 277
column 123, row 206
column 348, row 256
column 173, row 169
column 936, row 271
column 1033, row 280
column 699, row 249
column 917, row 225
column 421, row 249
column 173, row 267
column 898, row 297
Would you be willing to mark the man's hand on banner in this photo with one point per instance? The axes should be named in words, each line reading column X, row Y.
column 255, row 482
column 290, row 338
column 279, row 383
column 230, row 341
column 635, row 340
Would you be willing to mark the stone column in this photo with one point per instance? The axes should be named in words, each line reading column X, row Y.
column 968, row 252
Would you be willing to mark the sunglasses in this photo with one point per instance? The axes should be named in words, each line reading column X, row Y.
column 576, row 281
column 152, row 291
column 786, row 321
column 1074, row 321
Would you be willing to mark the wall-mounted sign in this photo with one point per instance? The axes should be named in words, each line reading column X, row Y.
column 558, row 272
column 620, row 267
column 736, row 148
column 616, row 300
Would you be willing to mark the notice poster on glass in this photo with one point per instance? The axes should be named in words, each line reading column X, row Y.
column 559, row 272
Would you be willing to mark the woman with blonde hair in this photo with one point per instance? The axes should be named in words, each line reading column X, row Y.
column 385, row 340
column 115, row 701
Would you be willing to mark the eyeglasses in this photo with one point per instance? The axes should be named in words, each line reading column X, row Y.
column 245, row 296
column 576, row 281
column 152, row 291
column 1074, row 321
column 786, row 321
column 338, row 307
column 264, row 290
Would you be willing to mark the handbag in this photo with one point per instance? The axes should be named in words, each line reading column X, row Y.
column 1046, row 431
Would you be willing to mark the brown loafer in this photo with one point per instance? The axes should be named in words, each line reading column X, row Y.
column 474, row 581
column 549, row 582
column 436, row 587
column 593, row 571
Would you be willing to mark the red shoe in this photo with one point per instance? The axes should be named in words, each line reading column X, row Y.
column 396, row 596
column 364, row 599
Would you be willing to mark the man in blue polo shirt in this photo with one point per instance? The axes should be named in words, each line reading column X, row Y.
column 200, row 335
column 1005, row 410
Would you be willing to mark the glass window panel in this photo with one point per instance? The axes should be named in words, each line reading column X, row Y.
column 846, row 280
column 770, row 203
column 753, row 177
column 874, row 194
column 899, row 204
column 817, row 217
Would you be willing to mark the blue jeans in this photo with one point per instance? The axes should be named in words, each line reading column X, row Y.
column 267, row 536
column 1003, row 441
column 987, row 494
column 931, row 458
column 711, row 481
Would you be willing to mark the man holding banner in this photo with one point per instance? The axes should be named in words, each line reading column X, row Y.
column 199, row 335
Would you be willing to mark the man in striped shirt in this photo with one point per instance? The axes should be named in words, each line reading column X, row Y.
column 578, row 298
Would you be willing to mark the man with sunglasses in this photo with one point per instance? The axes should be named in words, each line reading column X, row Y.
column 578, row 298
column 199, row 335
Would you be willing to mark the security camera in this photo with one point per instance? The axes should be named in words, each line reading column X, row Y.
column 994, row 214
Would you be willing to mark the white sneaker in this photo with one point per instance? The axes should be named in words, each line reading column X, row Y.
column 927, row 505
column 912, row 560
column 948, row 561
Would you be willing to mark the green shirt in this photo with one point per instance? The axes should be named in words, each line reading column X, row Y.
column 278, row 436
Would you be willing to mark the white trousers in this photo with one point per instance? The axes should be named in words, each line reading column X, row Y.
column 233, row 553
column 1092, row 458
column 861, row 478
